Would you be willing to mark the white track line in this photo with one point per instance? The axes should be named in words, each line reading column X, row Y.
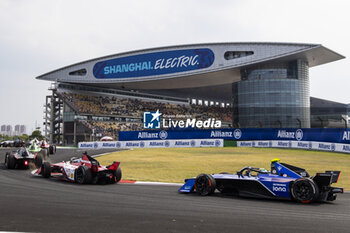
column 66, row 147
column 94, row 156
column 98, row 155
column 157, row 183
column 12, row 232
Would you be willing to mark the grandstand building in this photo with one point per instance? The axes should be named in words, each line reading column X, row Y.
column 329, row 114
column 242, row 84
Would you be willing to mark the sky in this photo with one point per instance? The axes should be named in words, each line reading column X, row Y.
column 38, row 36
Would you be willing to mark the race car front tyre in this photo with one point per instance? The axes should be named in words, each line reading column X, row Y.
column 304, row 190
column 83, row 175
column 205, row 184
column 38, row 161
column 46, row 169
column 10, row 161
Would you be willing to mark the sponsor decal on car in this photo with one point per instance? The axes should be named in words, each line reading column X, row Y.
column 279, row 187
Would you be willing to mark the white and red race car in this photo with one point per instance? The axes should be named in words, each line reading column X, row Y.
column 86, row 170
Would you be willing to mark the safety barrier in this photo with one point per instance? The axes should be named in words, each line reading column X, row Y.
column 308, row 145
column 243, row 134
column 152, row 144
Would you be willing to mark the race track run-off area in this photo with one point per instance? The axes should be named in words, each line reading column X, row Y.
column 35, row 204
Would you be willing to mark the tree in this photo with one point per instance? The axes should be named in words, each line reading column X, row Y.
column 36, row 134
column 5, row 137
column 24, row 137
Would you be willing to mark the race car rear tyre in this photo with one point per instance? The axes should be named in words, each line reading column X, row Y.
column 205, row 184
column 38, row 161
column 10, row 161
column 118, row 175
column 83, row 175
column 44, row 151
column 52, row 150
column 304, row 190
column 46, row 169
column 6, row 155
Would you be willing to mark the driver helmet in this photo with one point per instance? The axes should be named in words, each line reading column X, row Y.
column 263, row 170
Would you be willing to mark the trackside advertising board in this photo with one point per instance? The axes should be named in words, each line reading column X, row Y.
column 308, row 145
column 319, row 135
column 153, row 144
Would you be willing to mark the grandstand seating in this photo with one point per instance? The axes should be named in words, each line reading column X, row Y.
column 128, row 108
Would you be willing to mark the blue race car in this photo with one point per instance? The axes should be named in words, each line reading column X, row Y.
column 284, row 181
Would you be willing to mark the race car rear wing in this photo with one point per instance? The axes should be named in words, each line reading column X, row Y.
column 327, row 178
column 335, row 176
column 113, row 166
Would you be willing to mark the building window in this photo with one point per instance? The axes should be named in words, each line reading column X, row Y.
column 229, row 55
column 81, row 72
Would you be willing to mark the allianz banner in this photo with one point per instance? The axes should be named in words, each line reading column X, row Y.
column 152, row 144
column 306, row 145
column 321, row 135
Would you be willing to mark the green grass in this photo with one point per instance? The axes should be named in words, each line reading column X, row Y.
column 175, row 164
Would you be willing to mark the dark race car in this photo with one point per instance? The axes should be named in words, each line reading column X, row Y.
column 22, row 158
column 7, row 144
column 85, row 170
column 18, row 143
column 284, row 181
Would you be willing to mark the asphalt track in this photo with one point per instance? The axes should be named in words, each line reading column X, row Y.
column 35, row 204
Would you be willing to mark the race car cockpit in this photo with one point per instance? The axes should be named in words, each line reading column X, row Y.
column 23, row 152
column 248, row 171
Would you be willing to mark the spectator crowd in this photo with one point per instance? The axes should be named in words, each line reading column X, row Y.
column 128, row 108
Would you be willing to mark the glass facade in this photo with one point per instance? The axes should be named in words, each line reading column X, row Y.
column 273, row 95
